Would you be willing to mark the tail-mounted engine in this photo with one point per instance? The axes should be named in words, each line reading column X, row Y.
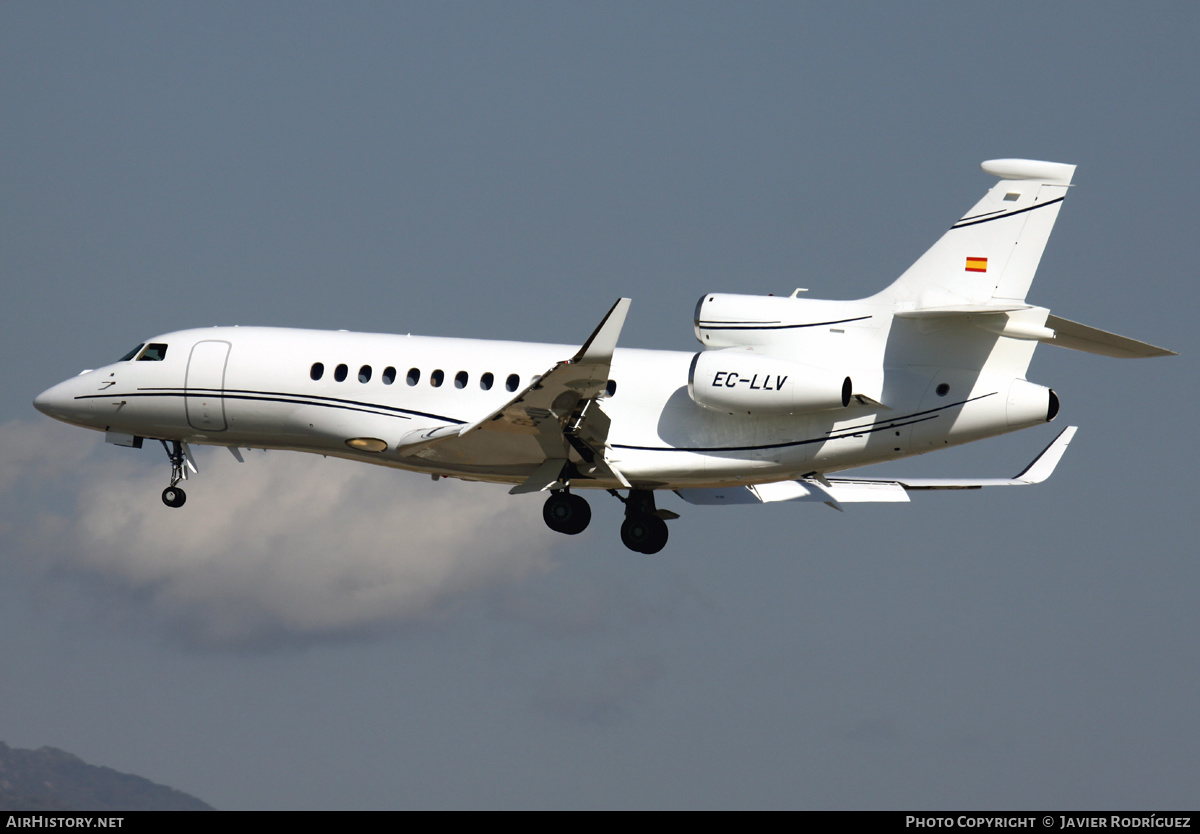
column 724, row 320
column 738, row 380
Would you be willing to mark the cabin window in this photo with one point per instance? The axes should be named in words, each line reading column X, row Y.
column 153, row 353
column 364, row 374
column 317, row 370
column 611, row 388
column 485, row 381
column 943, row 390
column 389, row 375
column 340, row 372
column 414, row 376
column 132, row 353
column 460, row 379
column 436, row 378
column 512, row 383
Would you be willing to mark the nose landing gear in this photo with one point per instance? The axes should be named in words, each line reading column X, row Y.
column 177, row 453
column 174, row 496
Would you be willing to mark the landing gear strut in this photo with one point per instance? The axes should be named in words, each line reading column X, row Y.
column 566, row 513
column 173, row 496
column 643, row 530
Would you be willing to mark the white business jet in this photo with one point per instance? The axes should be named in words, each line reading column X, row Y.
column 785, row 392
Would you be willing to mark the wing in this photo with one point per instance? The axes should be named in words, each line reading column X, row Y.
column 838, row 491
column 556, row 414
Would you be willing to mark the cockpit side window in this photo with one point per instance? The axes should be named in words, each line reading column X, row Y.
column 132, row 353
column 154, row 352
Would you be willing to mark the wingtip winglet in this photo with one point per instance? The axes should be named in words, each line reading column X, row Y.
column 600, row 345
column 1044, row 464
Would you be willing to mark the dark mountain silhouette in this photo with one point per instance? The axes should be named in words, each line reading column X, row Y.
column 48, row 779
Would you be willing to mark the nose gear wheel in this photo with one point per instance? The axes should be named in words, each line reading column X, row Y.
column 173, row 496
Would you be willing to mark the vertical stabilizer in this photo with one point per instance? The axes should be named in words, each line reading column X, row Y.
column 991, row 254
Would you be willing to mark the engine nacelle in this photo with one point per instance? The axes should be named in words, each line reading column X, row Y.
column 795, row 326
column 1030, row 404
column 740, row 381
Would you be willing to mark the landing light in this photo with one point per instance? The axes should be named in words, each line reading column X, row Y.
column 367, row 444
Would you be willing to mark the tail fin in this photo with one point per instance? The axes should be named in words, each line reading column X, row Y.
column 989, row 257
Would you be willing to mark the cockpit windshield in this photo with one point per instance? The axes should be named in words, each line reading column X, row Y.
column 154, row 352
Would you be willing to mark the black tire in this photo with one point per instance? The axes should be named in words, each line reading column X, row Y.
column 644, row 533
column 174, row 496
column 566, row 513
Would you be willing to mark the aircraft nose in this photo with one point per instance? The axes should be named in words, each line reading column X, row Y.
column 51, row 402
column 59, row 402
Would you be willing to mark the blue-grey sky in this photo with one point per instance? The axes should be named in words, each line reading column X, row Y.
column 313, row 634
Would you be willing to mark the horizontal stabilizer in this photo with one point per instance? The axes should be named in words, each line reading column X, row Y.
column 837, row 491
column 1076, row 336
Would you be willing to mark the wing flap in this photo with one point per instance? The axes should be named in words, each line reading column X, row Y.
column 544, row 477
column 835, row 493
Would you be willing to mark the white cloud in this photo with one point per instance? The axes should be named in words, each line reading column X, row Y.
column 284, row 546
column 35, row 452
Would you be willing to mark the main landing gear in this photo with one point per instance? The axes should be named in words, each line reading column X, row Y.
column 566, row 513
column 644, row 529
column 173, row 496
